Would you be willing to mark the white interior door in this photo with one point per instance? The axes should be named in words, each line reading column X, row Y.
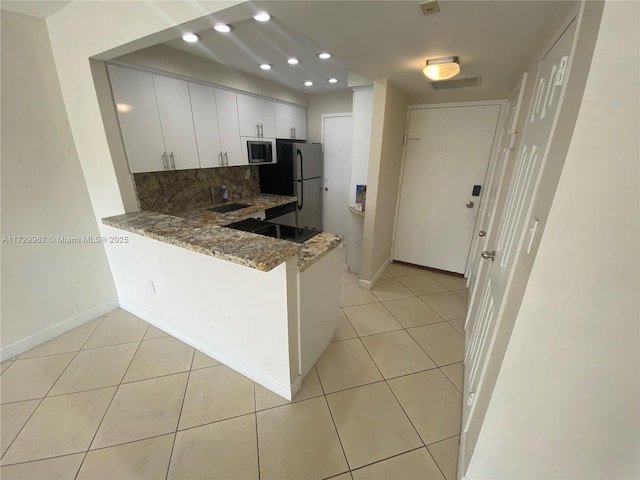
column 509, row 241
column 447, row 153
column 336, row 141
column 493, row 183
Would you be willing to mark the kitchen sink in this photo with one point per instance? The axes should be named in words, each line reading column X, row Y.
column 229, row 207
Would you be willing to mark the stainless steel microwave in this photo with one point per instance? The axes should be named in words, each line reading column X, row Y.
column 260, row 151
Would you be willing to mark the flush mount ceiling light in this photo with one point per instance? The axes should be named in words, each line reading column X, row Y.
column 190, row 37
column 324, row 55
column 222, row 28
column 333, row 80
column 265, row 66
column 308, row 83
column 262, row 16
column 293, row 61
column 442, row 68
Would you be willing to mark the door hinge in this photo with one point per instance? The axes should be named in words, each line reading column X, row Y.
column 513, row 140
column 562, row 67
column 404, row 139
column 470, row 399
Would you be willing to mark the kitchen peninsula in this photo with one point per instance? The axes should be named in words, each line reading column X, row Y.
column 265, row 307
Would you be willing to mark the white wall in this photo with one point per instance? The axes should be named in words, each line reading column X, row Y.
column 566, row 403
column 325, row 103
column 238, row 315
column 46, row 288
column 385, row 161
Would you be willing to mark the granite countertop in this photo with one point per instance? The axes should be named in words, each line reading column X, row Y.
column 203, row 232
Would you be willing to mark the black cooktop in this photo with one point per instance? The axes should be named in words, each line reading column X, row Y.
column 274, row 230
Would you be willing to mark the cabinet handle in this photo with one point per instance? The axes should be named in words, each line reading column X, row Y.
column 221, row 159
column 226, row 159
column 258, row 128
column 165, row 162
column 173, row 161
column 294, row 132
column 261, row 130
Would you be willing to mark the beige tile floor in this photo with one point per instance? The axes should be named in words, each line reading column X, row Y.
column 117, row 398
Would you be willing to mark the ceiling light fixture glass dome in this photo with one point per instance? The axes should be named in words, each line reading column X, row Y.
column 293, row 61
column 265, row 66
column 442, row 68
column 324, row 55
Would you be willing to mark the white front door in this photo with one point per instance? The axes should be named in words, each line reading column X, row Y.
column 493, row 183
column 509, row 241
column 448, row 150
column 336, row 142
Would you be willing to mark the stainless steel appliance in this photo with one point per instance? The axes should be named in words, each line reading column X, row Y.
column 260, row 151
column 299, row 173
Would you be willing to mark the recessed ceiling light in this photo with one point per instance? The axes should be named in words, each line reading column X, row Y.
column 308, row 83
column 265, row 66
column 262, row 16
column 324, row 55
column 333, row 80
column 222, row 28
column 293, row 61
column 190, row 37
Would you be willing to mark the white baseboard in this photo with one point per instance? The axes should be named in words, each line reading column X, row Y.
column 56, row 330
column 368, row 284
column 242, row 368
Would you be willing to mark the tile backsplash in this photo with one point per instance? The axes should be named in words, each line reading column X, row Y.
column 179, row 190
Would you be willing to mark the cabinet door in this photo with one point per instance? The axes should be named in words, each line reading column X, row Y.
column 229, row 127
column 135, row 100
column 266, row 118
column 205, row 122
column 248, row 116
column 284, row 120
column 176, row 119
column 300, row 123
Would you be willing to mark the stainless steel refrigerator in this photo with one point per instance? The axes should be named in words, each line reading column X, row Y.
column 299, row 172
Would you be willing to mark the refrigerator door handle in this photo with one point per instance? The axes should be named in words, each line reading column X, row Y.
column 299, row 156
column 301, row 196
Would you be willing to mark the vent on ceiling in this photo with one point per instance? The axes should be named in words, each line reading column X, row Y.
column 429, row 7
column 459, row 83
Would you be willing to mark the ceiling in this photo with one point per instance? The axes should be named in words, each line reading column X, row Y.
column 40, row 8
column 374, row 39
column 378, row 39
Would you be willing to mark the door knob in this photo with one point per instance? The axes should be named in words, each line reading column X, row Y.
column 482, row 233
column 489, row 254
column 326, row 189
column 470, row 204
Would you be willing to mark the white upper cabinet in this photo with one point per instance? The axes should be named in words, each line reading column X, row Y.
column 137, row 108
column 155, row 119
column 205, row 122
column 215, row 118
column 226, row 102
column 257, row 117
column 291, row 122
column 176, row 119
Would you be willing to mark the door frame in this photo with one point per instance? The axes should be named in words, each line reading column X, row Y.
column 322, row 119
column 494, row 151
